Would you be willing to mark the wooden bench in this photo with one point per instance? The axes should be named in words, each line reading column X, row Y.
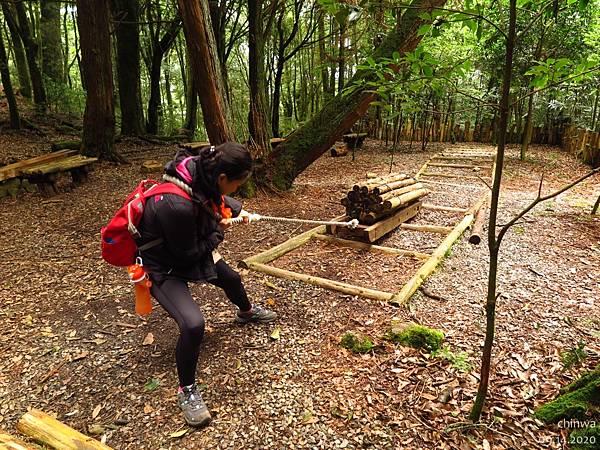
column 44, row 170
column 46, row 175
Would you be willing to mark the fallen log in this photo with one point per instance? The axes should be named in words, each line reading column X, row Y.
column 404, row 199
column 55, row 434
column 66, row 145
column 477, row 231
column 338, row 150
column 8, row 442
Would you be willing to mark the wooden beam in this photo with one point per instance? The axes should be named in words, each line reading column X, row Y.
column 444, row 208
column 443, row 183
column 14, row 170
column 369, row 247
column 9, row 442
column 423, row 168
column 477, row 230
column 458, row 166
column 426, row 228
column 55, row 434
column 409, row 288
column 451, row 175
column 282, row 249
column 322, row 282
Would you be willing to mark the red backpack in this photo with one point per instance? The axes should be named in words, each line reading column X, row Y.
column 119, row 246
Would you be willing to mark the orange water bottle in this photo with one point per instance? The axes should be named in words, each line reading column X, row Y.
column 141, row 283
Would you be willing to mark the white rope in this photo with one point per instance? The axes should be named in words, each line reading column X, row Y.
column 352, row 224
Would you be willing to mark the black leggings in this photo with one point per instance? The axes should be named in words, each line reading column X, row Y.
column 175, row 297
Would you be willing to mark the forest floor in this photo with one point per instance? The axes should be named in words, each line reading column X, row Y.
column 73, row 347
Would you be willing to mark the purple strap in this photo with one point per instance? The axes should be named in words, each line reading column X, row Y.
column 183, row 170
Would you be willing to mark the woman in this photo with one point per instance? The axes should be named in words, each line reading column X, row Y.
column 190, row 232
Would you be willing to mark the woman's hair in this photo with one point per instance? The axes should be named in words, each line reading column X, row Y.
column 232, row 159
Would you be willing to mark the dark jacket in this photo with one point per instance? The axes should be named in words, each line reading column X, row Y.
column 190, row 231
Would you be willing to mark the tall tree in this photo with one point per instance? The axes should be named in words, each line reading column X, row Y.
column 93, row 18
column 15, row 122
column 320, row 132
column 126, row 15
column 206, row 69
column 31, row 50
column 160, row 45
column 19, row 51
column 52, row 58
column 258, row 123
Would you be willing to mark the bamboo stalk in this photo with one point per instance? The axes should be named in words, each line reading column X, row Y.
column 409, row 288
column 282, row 249
column 459, row 166
column 426, row 228
column 398, row 192
column 451, row 175
column 9, row 442
column 55, row 434
column 383, row 188
column 370, row 247
column 322, row 282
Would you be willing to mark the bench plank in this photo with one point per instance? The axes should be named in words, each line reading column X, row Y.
column 14, row 170
column 63, row 165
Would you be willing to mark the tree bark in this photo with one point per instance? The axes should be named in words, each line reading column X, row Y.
column 126, row 14
column 258, row 124
column 342, row 58
column 99, row 118
column 322, row 56
column 52, row 55
column 493, row 241
column 15, row 122
column 31, row 50
column 319, row 133
column 19, row 49
column 206, row 69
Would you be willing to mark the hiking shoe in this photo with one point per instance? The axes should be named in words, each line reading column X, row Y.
column 257, row 314
column 194, row 409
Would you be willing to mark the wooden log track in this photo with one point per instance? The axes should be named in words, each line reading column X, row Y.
column 452, row 175
column 464, row 159
column 9, row 442
column 444, row 208
column 370, row 247
column 413, row 284
column 322, row 282
column 443, row 183
column 459, row 166
column 282, row 249
column 426, row 228
column 55, row 434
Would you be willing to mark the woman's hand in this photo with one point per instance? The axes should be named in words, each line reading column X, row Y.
column 224, row 224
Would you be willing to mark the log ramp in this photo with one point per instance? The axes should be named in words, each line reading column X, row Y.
column 49, row 432
column 383, row 204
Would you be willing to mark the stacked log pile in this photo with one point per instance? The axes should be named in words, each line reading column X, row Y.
column 382, row 196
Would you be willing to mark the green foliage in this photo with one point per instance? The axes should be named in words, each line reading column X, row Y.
column 586, row 438
column 459, row 361
column 573, row 356
column 416, row 336
column 356, row 343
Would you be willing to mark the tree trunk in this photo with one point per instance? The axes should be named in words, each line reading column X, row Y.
column 191, row 109
column 322, row 56
column 99, row 119
column 342, row 58
column 258, row 125
column 320, row 132
column 493, row 242
column 19, row 49
column 31, row 50
column 593, row 128
column 52, row 57
column 126, row 14
column 15, row 122
column 206, row 69
column 159, row 49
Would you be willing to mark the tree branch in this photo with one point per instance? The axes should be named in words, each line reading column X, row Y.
column 540, row 199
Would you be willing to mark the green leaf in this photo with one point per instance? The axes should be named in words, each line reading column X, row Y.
column 427, row 71
column 423, row 30
column 151, row 385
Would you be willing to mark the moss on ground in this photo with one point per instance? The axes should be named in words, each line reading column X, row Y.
column 355, row 343
column 416, row 336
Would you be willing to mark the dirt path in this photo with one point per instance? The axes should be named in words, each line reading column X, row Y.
column 71, row 344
